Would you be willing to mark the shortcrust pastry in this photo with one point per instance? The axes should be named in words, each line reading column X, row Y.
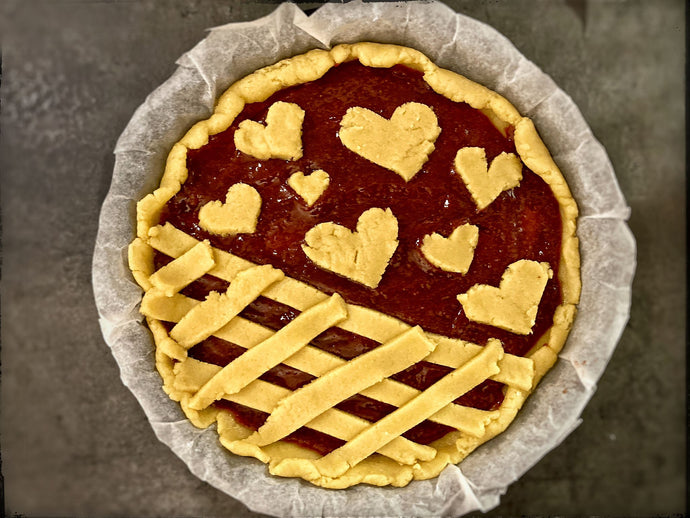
column 358, row 267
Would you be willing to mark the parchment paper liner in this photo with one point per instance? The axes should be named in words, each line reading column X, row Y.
column 452, row 41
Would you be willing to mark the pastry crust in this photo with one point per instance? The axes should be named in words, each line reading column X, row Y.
column 361, row 256
column 238, row 215
column 281, row 137
column 310, row 187
column 514, row 303
column 453, row 253
column 485, row 182
column 402, row 143
column 369, row 456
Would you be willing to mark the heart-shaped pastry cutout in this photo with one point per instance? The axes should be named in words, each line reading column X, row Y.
column 486, row 182
column 453, row 253
column 238, row 215
column 513, row 305
column 281, row 137
column 361, row 256
column 310, row 187
column 402, row 143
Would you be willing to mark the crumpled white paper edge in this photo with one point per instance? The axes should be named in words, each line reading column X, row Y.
column 455, row 42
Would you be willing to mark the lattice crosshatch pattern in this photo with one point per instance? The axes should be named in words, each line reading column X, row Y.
column 197, row 384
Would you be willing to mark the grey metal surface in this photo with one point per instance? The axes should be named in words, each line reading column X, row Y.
column 74, row 440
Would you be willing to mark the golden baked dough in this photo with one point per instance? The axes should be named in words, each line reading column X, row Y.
column 373, row 453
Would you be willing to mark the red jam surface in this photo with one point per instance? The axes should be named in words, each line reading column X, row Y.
column 523, row 223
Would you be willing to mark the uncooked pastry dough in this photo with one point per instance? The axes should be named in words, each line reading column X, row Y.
column 402, row 143
column 373, row 453
column 280, row 137
column 309, row 187
column 453, row 253
column 361, row 255
column 514, row 303
column 238, row 215
column 485, row 182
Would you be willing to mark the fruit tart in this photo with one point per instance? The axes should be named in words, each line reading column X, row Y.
column 358, row 267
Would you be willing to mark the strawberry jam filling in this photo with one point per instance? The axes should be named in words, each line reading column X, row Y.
column 523, row 223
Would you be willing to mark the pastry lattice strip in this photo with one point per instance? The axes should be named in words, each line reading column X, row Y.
column 514, row 371
column 272, row 351
column 303, row 408
column 313, row 399
column 434, row 398
column 408, row 349
column 377, row 435
column 191, row 375
column 315, row 362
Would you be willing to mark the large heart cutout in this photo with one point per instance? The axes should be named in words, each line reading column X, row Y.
column 453, row 253
column 486, row 182
column 238, row 215
column 361, row 256
column 402, row 143
column 281, row 137
column 310, row 187
column 513, row 305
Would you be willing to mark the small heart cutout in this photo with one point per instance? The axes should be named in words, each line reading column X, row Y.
column 361, row 256
column 238, row 215
column 513, row 305
column 486, row 182
column 401, row 144
column 310, row 187
column 281, row 137
column 453, row 253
